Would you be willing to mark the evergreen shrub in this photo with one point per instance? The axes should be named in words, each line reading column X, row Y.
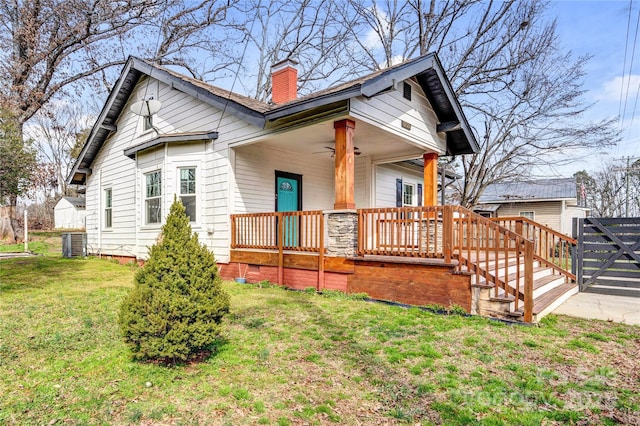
column 174, row 312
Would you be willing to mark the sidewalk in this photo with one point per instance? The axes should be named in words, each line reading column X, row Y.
column 603, row 307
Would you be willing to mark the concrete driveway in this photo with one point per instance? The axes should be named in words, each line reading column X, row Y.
column 603, row 307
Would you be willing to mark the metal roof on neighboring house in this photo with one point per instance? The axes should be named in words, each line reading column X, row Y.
column 536, row 190
column 427, row 71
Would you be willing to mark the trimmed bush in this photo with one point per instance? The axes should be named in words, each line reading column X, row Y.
column 174, row 312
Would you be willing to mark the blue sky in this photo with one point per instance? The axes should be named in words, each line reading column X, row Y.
column 599, row 28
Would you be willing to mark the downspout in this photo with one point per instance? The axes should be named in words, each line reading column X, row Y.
column 99, row 215
column 137, row 208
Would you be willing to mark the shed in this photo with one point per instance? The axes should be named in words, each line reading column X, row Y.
column 70, row 213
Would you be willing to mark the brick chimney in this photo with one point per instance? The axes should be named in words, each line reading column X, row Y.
column 284, row 81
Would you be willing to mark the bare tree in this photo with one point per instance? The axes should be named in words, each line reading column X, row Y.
column 55, row 130
column 612, row 189
column 58, row 48
column 311, row 32
column 520, row 90
column 17, row 161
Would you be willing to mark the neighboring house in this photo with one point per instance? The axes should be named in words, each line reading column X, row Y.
column 551, row 202
column 69, row 213
column 222, row 153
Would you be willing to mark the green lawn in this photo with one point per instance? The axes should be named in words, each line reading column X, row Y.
column 300, row 358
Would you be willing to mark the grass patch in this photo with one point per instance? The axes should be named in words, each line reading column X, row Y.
column 299, row 357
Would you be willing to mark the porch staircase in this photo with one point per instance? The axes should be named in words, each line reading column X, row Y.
column 521, row 273
column 550, row 290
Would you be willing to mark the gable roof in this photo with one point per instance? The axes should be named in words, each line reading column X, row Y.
column 75, row 201
column 426, row 69
column 536, row 190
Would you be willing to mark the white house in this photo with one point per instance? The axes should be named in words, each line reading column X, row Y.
column 161, row 134
column 69, row 213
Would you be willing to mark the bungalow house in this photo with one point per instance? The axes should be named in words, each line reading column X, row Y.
column 551, row 202
column 69, row 213
column 303, row 191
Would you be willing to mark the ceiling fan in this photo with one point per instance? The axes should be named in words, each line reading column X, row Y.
column 332, row 150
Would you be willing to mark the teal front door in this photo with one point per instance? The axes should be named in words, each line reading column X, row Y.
column 289, row 199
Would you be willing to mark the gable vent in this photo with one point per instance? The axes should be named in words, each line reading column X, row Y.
column 406, row 91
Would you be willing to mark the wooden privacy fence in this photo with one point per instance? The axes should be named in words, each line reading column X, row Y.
column 608, row 255
column 550, row 248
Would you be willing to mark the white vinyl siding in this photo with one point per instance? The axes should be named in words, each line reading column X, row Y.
column 386, row 175
column 389, row 110
column 547, row 213
column 179, row 113
column 361, row 196
column 68, row 216
column 255, row 167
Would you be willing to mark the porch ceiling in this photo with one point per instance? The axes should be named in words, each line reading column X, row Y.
column 370, row 140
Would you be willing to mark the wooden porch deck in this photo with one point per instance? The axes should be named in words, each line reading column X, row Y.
column 517, row 275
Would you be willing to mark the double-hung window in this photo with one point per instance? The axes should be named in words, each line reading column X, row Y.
column 408, row 194
column 108, row 202
column 153, row 197
column 188, row 191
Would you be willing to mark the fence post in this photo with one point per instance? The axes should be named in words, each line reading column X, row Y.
column 518, row 229
column 580, row 256
column 233, row 231
column 280, row 219
column 26, row 231
column 447, row 232
column 528, row 281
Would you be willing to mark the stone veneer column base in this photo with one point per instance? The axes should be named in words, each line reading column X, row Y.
column 342, row 229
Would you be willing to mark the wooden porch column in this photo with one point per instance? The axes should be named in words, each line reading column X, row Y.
column 344, row 171
column 430, row 179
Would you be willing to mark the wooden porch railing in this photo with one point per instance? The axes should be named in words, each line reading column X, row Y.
column 496, row 255
column 551, row 248
column 293, row 231
column 404, row 231
column 300, row 231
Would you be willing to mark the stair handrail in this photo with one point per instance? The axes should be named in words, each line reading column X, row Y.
column 551, row 248
column 478, row 242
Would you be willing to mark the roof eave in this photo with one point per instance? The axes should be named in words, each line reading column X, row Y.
column 455, row 104
column 162, row 139
column 527, row 200
column 309, row 104
column 71, row 178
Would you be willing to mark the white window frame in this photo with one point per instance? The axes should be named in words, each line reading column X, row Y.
column 193, row 194
column 414, row 194
column 108, row 208
column 528, row 214
column 147, row 198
